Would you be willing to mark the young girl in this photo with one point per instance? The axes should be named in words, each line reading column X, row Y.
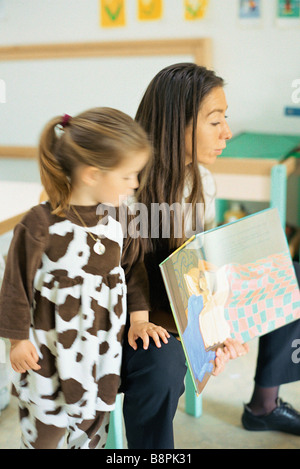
column 63, row 298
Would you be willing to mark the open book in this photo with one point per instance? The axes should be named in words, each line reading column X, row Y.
column 236, row 281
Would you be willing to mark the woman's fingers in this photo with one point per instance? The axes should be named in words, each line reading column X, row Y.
column 222, row 357
column 236, row 349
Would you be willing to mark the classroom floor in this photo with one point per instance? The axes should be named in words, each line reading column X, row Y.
column 220, row 424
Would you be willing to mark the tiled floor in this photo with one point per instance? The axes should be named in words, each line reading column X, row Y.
column 220, row 424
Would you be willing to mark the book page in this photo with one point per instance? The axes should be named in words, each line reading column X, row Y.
column 250, row 238
column 235, row 281
column 255, row 289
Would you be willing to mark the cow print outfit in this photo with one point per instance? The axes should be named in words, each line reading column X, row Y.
column 70, row 302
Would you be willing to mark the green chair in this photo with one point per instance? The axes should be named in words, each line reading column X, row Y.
column 115, row 434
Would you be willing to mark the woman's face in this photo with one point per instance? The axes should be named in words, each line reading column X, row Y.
column 212, row 129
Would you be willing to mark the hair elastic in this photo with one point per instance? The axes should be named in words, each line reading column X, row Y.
column 65, row 120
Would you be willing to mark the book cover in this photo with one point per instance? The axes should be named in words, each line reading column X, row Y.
column 237, row 281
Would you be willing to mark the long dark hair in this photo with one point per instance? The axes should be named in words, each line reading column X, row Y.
column 170, row 103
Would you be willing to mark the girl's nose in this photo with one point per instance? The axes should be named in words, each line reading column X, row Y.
column 135, row 183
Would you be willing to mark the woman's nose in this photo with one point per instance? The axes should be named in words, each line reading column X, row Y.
column 227, row 134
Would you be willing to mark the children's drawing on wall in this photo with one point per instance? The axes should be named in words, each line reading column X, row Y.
column 149, row 10
column 195, row 9
column 250, row 13
column 112, row 13
column 288, row 8
column 288, row 13
column 249, row 9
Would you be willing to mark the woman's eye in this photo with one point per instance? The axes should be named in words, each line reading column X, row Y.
column 218, row 123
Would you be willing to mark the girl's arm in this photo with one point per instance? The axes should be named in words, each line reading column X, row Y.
column 23, row 259
column 140, row 327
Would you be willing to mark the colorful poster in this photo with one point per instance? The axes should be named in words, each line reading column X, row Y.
column 112, row 13
column 250, row 13
column 288, row 9
column 288, row 13
column 249, row 9
column 149, row 10
column 195, row 9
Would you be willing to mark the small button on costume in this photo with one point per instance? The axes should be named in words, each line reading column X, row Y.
column 70, row 302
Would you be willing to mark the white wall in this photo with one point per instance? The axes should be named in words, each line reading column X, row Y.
column 259, row 65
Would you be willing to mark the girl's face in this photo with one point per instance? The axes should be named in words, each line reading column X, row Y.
column 114, row 186
column 212, row 129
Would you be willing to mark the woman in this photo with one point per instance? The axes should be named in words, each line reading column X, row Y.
column 184, row 113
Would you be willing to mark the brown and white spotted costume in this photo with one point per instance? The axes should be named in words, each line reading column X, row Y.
column 70, row 302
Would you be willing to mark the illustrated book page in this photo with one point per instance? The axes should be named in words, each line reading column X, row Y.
column 237, row 281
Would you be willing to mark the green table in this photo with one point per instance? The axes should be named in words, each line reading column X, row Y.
column 255, row 167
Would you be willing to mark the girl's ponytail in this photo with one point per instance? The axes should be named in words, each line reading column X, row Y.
column 54, row 179
column 100, row 137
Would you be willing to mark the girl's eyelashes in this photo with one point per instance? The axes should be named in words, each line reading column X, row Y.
column 131, row 176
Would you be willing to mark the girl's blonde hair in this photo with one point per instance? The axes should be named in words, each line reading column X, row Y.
column 100, row 137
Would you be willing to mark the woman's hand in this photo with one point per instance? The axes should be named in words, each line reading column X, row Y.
column 23, row 356
column 232, row 349
column 235, row 348
column 222, row 357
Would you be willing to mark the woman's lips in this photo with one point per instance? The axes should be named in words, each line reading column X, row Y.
column 219, row 151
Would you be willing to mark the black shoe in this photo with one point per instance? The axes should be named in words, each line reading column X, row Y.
column 284, row 418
